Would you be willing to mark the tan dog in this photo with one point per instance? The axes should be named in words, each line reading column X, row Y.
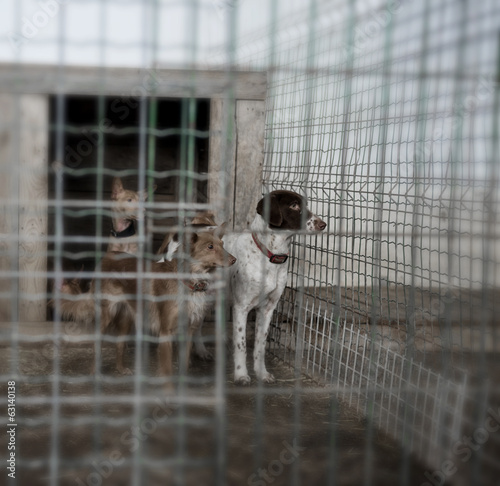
column 125, row 210
column 71, row 287
column 166, row 296
column 202, row 221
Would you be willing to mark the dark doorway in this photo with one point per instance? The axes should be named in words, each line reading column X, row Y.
column 162, row 142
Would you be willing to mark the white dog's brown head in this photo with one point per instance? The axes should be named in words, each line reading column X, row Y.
column 287, row 210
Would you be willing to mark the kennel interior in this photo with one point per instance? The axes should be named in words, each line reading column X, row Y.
column 114, row 124
column 384, row 344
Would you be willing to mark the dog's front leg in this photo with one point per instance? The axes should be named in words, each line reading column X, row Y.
column 240, row 316
column 167, row 319
column 122, row 318
column 262, row 322
column 127, row 318
column 199, row 345
column 193, row 327
column 165, row 359
column 105, row 322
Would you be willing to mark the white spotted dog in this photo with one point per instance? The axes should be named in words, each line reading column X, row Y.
column 259, row 277
column 125, row 210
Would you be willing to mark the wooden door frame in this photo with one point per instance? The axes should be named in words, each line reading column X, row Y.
column 236, row 152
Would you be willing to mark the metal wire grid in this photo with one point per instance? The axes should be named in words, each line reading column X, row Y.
column 378, row 189
column 386, row 117
column 402, row 397
column 53, row 407
column 360, row 136
column 53, row 340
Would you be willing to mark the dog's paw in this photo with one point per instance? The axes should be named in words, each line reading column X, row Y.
column 267, row 377
column 125, row 371
column 204, row 354
column 243, row 380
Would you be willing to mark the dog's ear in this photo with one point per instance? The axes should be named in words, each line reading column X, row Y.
column 116, row 188
column 144, row 193
column 76, row 281
column 220, row 230
column 270, row 204
column 206, row 218
column 194, row 238
column 209, row 215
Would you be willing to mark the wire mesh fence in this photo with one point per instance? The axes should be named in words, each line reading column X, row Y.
column 381, row 127
column 383, row 345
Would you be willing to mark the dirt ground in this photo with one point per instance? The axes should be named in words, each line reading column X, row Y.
column 249, row 437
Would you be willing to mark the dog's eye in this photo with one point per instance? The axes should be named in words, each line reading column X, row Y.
column 210, row 246
column 295, row 206
column 129, row 200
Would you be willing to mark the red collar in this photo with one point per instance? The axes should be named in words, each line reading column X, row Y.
column 277, row 258
column 200, row 286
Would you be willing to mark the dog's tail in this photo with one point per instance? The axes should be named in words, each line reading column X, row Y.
column 77, row 307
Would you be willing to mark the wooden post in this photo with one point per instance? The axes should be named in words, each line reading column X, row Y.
column 250, row 123
column 221, row 163
column 8, row 210
column 236, row 159
column 23, row 216
column 33, row 193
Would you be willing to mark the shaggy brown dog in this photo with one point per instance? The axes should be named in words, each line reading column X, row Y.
column 166, row 295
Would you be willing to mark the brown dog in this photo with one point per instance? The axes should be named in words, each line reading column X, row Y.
column 166, row 296
column 202, row 221
column 125, row 211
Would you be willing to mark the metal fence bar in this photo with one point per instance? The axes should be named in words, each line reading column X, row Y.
column 384, row 114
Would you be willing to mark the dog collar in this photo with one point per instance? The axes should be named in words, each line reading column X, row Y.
column 200, row 286
column 128, row 231
column 277, row 258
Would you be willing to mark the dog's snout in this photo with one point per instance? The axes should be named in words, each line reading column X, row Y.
column 232, row 260
column 315, row 224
